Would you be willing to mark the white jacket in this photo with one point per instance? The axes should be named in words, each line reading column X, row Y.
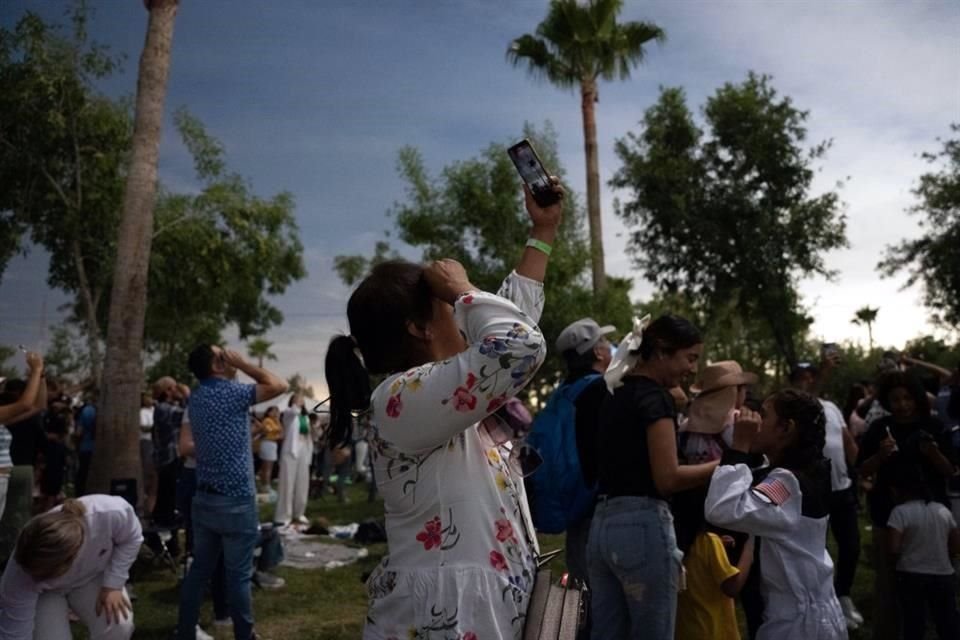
column 795, row 569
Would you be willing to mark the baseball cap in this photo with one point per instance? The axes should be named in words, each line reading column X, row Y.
column 582, row 335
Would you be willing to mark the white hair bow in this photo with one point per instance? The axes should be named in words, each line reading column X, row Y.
column 627, row 355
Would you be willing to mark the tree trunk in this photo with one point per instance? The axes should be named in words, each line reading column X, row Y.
column 90, row 316
column 117, row 453
column 588, row 100
column 870, row 336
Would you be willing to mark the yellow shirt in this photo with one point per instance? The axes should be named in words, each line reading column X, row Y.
column 271, row 429
column 703, row 610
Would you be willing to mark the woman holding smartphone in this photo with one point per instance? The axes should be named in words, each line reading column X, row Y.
column 462, row 548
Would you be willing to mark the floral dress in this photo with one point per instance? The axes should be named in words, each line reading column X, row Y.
column 461, row 564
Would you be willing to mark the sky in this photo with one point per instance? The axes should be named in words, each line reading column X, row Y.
column 317, row 97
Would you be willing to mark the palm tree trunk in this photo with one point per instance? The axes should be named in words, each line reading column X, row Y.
column 588, row 100
column 870, row 335
column 117, row 454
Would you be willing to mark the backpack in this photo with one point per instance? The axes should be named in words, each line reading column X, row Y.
column 559, row 496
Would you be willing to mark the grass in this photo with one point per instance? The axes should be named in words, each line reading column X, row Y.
column 331, row 605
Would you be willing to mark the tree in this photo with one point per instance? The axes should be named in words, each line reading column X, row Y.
column 933, row 259
column 298, row 384
column 729, row 218
column 577, row 44
column 64, row 357
column 473, row 212
column 866, row 316
column 259, row 349
column 7, row 370
column 116, row 454
column 63, row 155
column 217, row 256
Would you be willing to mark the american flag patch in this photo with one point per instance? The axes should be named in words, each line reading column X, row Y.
column 774, row 490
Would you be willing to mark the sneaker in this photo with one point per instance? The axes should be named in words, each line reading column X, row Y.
column 303, row 520
column 266, row 580
column 203, row 635
column 850, row 612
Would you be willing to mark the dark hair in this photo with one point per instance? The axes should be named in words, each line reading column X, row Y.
column 200, row 361
column 857, row 392
column 807, row 413
column 903, row 379
column 349, row 385
column 12, row 390
column 578, row 363
column 668, row 334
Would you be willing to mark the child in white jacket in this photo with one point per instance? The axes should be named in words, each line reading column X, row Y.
column 77, row 555
column 787, row 509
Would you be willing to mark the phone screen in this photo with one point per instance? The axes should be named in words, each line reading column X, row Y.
column 533, row 172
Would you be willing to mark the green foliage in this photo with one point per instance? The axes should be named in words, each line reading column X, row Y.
column 216, row 256
column 63, row 150
column 473, row 212
column 580, row 41
column 298, row 384
column 7, row 369
column 259, row 350
column 66, row 357
column 934, row 258
column 727, row 217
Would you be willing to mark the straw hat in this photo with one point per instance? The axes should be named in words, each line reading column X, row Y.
column 711, row 410
column 726, row 373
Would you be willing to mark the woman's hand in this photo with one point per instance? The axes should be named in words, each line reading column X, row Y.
column 112, row 604
column 34, row 361
column 745, row 429
column 545, row 217
column 447, row 279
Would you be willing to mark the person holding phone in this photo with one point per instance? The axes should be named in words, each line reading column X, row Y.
column 462, row 548
column 908, row 437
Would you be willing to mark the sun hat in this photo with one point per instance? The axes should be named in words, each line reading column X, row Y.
column 713, row 407
column 726, row 373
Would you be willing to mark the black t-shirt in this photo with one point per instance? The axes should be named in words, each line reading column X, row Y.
column 623, row 455
column 908, row 437
column 27, row 438
column 588, row 405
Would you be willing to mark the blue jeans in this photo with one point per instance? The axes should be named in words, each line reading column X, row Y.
column 634, row 567
column 229, row 525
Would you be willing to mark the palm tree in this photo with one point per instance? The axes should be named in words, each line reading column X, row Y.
column 259, row 348
column 117, row 454
column 578, row 43
column 866, row 315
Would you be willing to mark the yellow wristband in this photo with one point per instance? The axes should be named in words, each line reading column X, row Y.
column 539, row 245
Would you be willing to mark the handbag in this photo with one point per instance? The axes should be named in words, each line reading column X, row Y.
column 557, row 610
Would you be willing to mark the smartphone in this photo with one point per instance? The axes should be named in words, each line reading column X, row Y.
column 527, row 162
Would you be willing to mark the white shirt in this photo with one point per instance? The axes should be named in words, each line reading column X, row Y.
column 833, row 447
column 295, row 444
column 460, row 563
column 926, row 530
column 146, row 422
column 110, row 545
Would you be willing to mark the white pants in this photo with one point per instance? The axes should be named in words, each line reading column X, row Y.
column 294, row 486
column 4, row 485
column 51, row 618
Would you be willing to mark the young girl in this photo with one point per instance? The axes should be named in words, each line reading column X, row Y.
column 272, row 433
column 788, row 509
column 77, row 555
column 705, row 609
column 923, row 535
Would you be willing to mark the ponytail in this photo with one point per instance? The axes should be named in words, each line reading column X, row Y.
column 349, row 385
column 807, row 413
column 49, row 543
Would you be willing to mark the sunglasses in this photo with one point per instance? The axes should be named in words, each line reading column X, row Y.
column 523, row 458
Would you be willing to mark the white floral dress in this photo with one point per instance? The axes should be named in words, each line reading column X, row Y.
column 461, row 564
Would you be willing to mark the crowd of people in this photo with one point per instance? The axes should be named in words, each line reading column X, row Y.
column 673, row 507
column 47, row 442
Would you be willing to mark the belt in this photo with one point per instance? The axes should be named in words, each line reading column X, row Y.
column 206, row 488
